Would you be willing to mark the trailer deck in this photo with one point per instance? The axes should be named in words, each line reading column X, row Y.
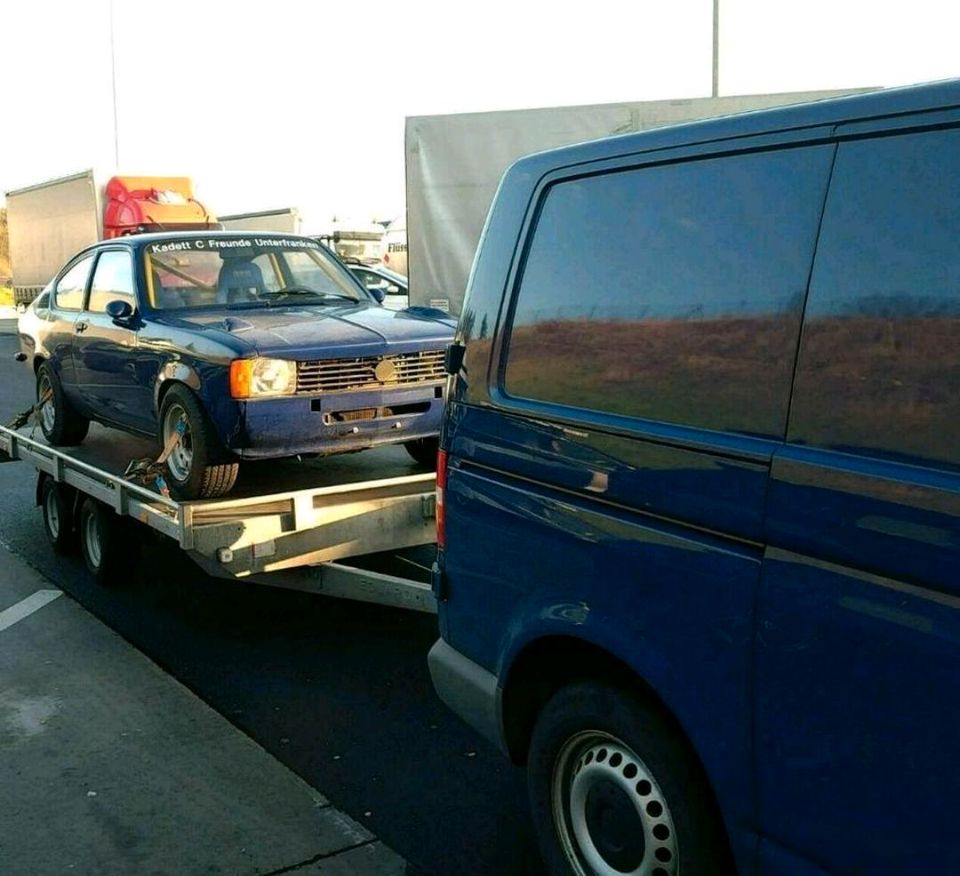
column 287, row 523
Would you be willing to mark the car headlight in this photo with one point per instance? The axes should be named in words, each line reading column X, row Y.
column 252, row 378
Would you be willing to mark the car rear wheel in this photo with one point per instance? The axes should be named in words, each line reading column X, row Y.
column 194, row 470
column 424, row 451
column 62, row 426
column 615, row 789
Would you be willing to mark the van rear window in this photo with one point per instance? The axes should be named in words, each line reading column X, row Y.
column 879, row 369
column 672, row 292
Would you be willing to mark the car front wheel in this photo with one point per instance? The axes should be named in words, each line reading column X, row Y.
column 615, row 789
column 194, row 470
column 424, row 451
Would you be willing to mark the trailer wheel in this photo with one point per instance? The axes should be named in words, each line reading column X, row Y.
column 424, row 451
column 193, row 465
column 56, row 502
column 62, row 426
column 105, row 542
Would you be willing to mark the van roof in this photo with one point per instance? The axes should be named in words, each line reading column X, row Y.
column 884, row 103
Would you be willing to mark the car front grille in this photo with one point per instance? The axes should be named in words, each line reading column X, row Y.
column 370, row 372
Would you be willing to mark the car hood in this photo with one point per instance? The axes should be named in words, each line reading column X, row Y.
column 330, row 331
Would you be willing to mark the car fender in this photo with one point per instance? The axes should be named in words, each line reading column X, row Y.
column 175, row 372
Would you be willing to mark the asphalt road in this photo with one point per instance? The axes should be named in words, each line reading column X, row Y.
column 337, row 691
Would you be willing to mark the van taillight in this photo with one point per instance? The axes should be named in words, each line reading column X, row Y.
column 441, row 507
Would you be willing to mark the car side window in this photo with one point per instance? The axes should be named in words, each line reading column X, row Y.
column 368, row 278
column 671, row 292
column 112, row 281
column 879, row 366
column 68, row 294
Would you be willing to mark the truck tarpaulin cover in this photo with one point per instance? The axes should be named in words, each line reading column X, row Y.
column 454, row 164
column 153, row 203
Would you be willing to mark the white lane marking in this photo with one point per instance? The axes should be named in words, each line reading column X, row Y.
column 26, row 607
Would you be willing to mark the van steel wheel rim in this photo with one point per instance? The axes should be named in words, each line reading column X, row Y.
column 610, row 814
column 53, row 513
column 180, row 460
column 91, row 540
column 48, row 411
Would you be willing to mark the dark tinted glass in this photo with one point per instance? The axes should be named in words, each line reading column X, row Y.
column 879, row 366
column 70, row 289
column 672, row 293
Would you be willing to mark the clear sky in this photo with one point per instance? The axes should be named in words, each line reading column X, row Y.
column 286, row 103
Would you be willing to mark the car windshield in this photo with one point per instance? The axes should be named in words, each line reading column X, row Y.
column 244, row 272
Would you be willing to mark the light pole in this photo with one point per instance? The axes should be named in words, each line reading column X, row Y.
column 113, row 85
column 716, row 48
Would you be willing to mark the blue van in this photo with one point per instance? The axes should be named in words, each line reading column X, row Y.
column 699, row 559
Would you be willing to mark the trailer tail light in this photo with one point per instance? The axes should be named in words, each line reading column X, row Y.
column 441, row 504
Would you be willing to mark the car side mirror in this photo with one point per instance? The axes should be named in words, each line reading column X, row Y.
column 120, row 312
column 378, row 293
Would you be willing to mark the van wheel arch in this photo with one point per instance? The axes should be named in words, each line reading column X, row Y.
column 548, row 664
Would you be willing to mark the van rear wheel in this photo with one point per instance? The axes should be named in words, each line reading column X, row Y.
column 615, row 789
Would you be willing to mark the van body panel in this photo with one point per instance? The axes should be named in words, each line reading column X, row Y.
column 785, row 580
column 503, row 598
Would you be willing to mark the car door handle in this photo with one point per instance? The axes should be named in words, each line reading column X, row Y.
column 80, row 327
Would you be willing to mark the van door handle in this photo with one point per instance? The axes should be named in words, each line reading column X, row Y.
column 80, row 327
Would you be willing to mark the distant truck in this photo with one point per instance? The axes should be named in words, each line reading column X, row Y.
column 355, row 241
column 454, row 164
column 395, row 246
column 285, row 221
column 51, row 221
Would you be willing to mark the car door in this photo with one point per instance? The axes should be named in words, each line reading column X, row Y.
column 60, row 334
column 858, row 642
column 105, row 352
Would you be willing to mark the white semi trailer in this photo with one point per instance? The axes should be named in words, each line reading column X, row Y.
column 454, row 164
column 52, row 220
column 284, row 221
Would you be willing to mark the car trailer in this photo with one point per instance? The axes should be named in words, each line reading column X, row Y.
column 291, row 535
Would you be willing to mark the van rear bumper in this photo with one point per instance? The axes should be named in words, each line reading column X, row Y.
column 469, row 689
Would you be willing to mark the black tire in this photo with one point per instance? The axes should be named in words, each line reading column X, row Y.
column 57, row 504
column 424, row 451
column 205, row 474
column 62, row 426
column 107, row 543
column 621, row 758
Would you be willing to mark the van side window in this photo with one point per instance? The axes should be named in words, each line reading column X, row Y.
column 672, row 292
column 879, row 366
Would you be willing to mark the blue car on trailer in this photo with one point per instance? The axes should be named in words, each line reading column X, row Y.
column 249, row 346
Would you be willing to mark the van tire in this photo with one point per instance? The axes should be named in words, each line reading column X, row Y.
column 204, row 475
column 106, row 542
column 597, row 748
column 424, row 451
column 61, row 425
